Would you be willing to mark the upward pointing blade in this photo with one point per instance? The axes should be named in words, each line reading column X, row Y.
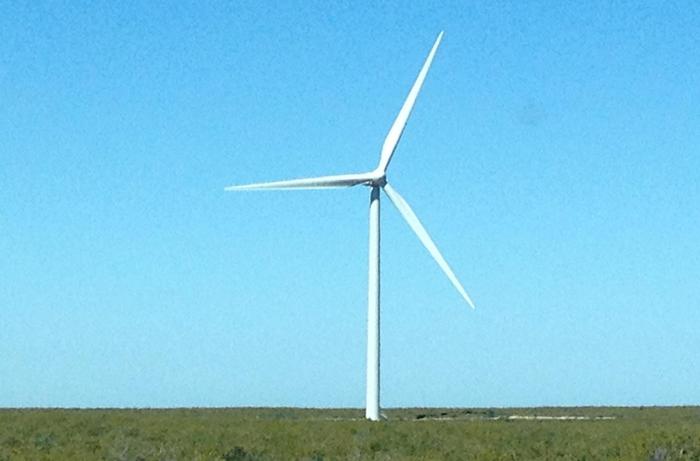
column 422, row 234
column 322, row 182
column 392, row 138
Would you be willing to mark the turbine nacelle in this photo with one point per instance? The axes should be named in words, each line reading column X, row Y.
column 378, row 178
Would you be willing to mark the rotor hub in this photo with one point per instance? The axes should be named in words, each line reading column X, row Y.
column 379, row 181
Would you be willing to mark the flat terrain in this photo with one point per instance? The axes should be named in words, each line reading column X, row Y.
column 585, row 433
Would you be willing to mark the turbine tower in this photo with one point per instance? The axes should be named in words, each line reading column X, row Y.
column 377, row 181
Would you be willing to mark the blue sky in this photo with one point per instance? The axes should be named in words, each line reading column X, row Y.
column 552, row 155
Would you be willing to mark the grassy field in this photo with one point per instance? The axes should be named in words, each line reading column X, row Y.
column 299, row 434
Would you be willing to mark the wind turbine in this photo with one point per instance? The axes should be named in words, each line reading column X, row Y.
column 376, row 180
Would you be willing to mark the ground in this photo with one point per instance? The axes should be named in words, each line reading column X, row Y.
column 584, row 433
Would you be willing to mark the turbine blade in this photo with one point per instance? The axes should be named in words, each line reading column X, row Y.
column 322, row 182
column 392, row 138
column 423, row 236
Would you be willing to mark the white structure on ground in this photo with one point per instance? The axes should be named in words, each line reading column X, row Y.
column 376, row 180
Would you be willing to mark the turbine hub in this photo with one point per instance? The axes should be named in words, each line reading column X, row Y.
column 379, row 181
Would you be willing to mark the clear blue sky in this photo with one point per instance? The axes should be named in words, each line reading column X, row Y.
column 553, row 156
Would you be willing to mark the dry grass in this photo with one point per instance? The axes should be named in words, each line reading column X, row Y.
column 409, row 434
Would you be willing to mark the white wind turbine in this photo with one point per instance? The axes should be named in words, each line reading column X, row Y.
column 376, row 180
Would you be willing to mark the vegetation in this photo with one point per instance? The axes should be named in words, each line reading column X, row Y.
column 294, row 434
